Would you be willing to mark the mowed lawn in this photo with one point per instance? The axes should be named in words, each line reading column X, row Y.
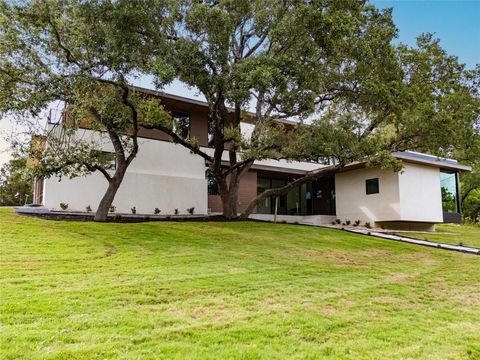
column 468, row 235
column 241, row 290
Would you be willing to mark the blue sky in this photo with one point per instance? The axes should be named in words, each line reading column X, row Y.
column 455, row 22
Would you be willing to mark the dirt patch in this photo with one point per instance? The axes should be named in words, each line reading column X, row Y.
column 401, row 278
column 328, row 310
column 110, row 250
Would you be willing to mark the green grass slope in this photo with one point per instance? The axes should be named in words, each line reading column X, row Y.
column 468, row 235
column 229, row 291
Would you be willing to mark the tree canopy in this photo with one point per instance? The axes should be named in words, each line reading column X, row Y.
column 329, row 65
column 86, row 55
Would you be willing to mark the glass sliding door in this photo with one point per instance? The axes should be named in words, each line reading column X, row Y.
column 265, row 206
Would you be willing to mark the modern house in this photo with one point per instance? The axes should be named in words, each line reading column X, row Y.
column 168, row 176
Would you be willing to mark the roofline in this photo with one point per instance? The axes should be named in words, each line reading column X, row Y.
column 199, row 102
column 438, row 162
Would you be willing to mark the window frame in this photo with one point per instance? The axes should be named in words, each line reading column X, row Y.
column 370, row 181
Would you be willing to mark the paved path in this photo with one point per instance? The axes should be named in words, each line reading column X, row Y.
column 465, row 249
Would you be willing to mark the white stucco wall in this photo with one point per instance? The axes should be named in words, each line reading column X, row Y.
column 420, row 193
column 352, row 202
column 412, row 195
column 163, row 175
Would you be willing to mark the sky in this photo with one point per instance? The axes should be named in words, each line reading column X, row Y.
column 455, row 22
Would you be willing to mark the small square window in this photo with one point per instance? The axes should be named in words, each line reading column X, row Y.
column 372, row 186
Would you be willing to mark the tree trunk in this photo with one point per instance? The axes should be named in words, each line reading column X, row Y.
column 229, row 196
column 107, row 199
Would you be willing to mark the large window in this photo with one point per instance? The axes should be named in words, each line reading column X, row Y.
column 181, row 125
column 449, row 186
column 298, row 201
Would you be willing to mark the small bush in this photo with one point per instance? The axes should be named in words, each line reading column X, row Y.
column 168, row 217
column 338, row 221
column 64, row 206
column 176, row 211
column 367, row 225
column 113, row 208
column 283, row 221
column 157, row 211
column 147, row 217
column 191, row 210
column 347, row 222
column 333, row 222
column 88, row 208
column 356, row 223
column 134, row 210
column 460, row 243
column 118, row 217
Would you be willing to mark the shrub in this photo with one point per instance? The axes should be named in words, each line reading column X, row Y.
column 64, row 206
column 113, row 208
column 191, row 210
column 338, row 221
column 118, row 217
column 333, row 222
column 347, row 222
column 367, row 225
column 168, row 217
column 176, row 211
column 147, row 217
column 157, row 211
column 88, row 208
column 356, row 223
column 134, row 210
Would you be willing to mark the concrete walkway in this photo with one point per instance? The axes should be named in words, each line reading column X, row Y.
column 406, row 239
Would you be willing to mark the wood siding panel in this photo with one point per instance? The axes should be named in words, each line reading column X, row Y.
column 247, row 191
column 199, row 127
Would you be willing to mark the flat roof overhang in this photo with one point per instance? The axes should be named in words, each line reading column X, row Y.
column 431, row 160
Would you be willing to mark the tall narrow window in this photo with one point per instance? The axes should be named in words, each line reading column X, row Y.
column 211, row 183
column 372, row 186
column 448, row 183
column 181, row 125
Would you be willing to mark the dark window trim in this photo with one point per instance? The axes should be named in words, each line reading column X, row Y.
column 377, row 181
column 457, row 190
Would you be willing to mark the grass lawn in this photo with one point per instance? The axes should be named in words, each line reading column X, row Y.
column 241, row 290
column 468, row 235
